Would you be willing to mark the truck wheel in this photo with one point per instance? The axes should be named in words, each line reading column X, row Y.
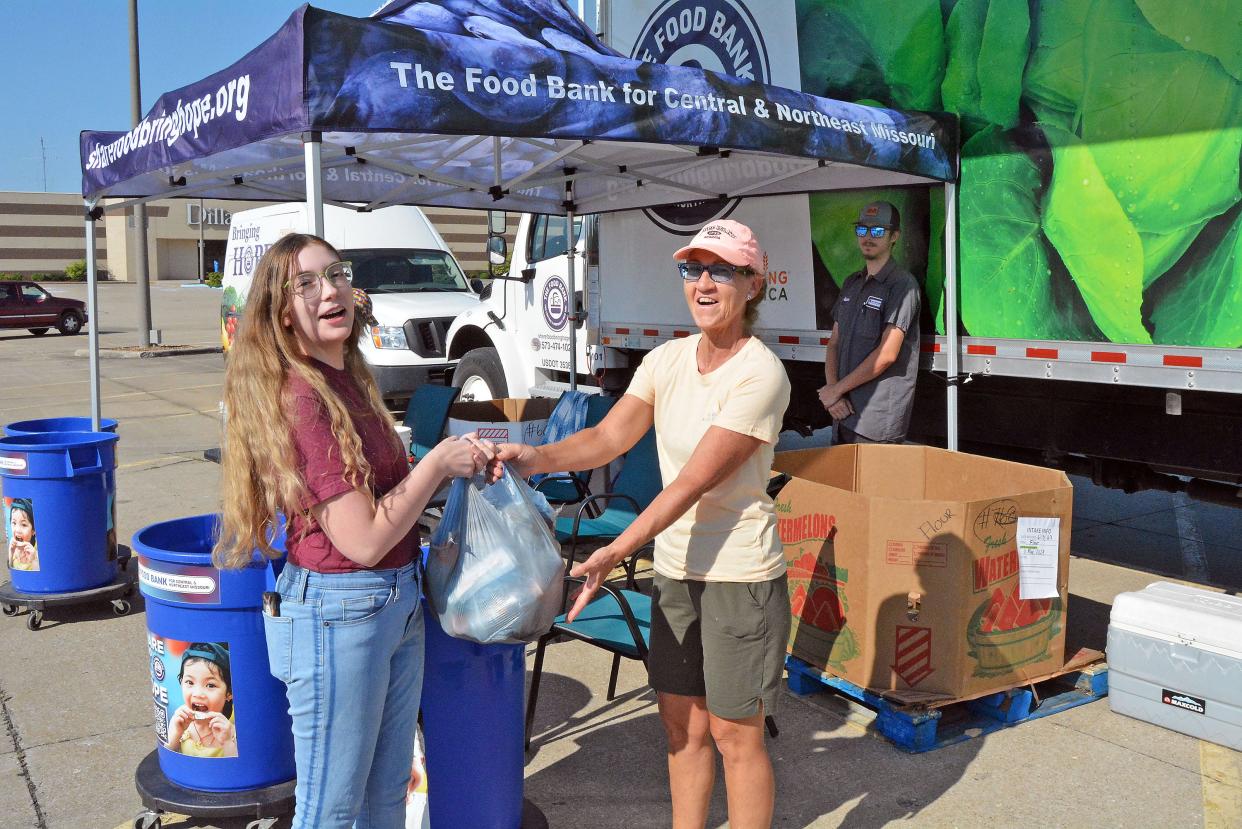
column 38, row 332
column 480, row 376
column 70, row 323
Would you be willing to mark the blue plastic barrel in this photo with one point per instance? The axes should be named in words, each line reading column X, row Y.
column 46, row 425
column 56, row 510
column 473, row 729
column 215, row 698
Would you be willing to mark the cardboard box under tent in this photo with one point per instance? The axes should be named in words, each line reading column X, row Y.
column 905, row 573
column 507, row 420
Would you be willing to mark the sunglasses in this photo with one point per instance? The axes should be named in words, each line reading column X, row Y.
column 876, row 231
column 306, row 284
column 721, row 272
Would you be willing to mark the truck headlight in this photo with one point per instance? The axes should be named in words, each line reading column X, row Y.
column 389, row 336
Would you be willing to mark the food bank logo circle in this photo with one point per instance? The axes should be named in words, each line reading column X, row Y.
column 717, row 35
column 555, row 303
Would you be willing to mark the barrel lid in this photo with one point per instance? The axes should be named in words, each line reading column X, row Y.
column 59, row 424
column 55, row 441
column 187, row 540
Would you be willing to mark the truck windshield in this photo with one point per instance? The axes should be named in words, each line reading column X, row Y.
column 397, row 271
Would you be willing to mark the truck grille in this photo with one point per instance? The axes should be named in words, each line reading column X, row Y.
column 427, row 336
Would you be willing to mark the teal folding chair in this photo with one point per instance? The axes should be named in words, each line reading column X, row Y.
column 619, row 621
column 426, row 416
column 572, row 487
column 635, row 488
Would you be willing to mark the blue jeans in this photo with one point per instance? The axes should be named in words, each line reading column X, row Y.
column 349, row 648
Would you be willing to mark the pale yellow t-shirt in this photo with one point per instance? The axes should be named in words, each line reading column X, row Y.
column 730, row 534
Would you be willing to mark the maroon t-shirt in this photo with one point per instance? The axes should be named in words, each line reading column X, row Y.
column 323, row 470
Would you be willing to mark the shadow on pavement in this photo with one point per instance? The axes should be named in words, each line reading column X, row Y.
column 615, row 774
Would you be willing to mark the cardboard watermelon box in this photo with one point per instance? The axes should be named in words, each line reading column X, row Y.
column 904, row 570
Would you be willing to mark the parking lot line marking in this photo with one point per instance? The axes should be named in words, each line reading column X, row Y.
column 1221, row 770
column 1194, row 554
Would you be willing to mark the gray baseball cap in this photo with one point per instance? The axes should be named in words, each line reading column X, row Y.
column 880, row 213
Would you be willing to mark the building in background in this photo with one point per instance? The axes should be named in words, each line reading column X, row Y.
column 42, row 233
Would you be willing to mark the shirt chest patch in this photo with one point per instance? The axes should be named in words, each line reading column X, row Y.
column 875, row 303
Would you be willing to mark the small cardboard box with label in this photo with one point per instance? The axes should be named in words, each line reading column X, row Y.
column 507, row 420
column 1175, row 659
column 923, row 573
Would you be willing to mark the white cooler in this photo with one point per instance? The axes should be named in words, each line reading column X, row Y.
column 1175, row 660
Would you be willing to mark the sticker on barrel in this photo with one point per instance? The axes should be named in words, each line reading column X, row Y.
column 14, row 463
column 186, row 583
column 21, row 541
column 192, row 691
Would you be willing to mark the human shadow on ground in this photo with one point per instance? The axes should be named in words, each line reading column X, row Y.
column 615, row 774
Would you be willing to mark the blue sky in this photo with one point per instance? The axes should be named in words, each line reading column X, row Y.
column 65, row 66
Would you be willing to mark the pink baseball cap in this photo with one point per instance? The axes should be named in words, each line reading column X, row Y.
column 732, row 241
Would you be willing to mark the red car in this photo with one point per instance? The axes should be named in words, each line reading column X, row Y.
column 27, row 305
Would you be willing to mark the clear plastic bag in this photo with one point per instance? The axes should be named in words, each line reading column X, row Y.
column 494, row 573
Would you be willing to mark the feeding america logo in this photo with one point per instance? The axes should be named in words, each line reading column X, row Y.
column 717, row 35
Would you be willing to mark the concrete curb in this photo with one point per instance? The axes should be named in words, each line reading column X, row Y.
column 175, row 351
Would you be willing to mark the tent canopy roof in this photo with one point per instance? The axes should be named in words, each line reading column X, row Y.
column 474, row 105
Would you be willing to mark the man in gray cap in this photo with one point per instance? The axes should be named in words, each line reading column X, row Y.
column 873, row 355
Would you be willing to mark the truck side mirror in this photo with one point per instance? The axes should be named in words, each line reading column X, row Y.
column 497, row 222
column 497, row 250
column 476, row 285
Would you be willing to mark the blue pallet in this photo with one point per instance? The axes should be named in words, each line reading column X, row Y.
column 918, row 729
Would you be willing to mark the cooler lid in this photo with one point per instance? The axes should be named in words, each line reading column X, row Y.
column 1178, row 611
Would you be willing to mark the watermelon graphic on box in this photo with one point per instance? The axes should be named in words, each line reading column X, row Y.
column 1006, row 631
column 818, row 606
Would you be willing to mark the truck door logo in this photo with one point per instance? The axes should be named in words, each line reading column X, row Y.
column 555, row 303
column 719, row 35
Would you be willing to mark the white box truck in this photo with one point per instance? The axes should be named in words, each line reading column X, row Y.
column 416, row 286
column 1108, row 345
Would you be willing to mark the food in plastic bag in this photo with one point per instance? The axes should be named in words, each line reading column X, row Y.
column 494, row 573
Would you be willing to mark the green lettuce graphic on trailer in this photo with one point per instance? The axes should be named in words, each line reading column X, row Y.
column 1099, row 195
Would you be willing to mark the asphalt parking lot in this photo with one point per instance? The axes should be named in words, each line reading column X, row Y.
column 75, row 695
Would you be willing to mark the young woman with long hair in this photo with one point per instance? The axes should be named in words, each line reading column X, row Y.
column 308, row 437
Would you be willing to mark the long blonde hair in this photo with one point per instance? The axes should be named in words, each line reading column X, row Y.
column 260, row 479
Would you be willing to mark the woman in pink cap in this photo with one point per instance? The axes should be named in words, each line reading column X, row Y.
column 720, row 606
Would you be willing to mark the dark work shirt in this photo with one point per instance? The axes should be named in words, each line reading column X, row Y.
column 882, row 407
column 323, row 469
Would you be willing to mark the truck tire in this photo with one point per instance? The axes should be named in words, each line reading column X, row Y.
column 480, row 376
column 69, row 323
column 38, row 332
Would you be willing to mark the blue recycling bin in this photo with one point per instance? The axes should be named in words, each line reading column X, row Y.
column 47, row 425
column 473, row 730
column 56, row 510
column 221, row 719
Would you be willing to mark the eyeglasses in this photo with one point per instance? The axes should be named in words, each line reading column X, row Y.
column 721, row 272
column 876, row 231
column 306, row 284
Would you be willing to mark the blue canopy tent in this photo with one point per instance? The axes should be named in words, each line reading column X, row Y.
column 494, row 105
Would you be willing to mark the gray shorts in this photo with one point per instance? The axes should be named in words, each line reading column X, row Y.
column 724, row 641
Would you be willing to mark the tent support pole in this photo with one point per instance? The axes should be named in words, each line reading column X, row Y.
column 92, row 310
column 311, row 145
column 572, row 255
column 950, row 313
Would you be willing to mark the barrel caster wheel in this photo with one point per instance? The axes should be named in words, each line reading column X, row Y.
column 120, row 607
column 35, row 620
column 9, row 609
column 148, row 820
